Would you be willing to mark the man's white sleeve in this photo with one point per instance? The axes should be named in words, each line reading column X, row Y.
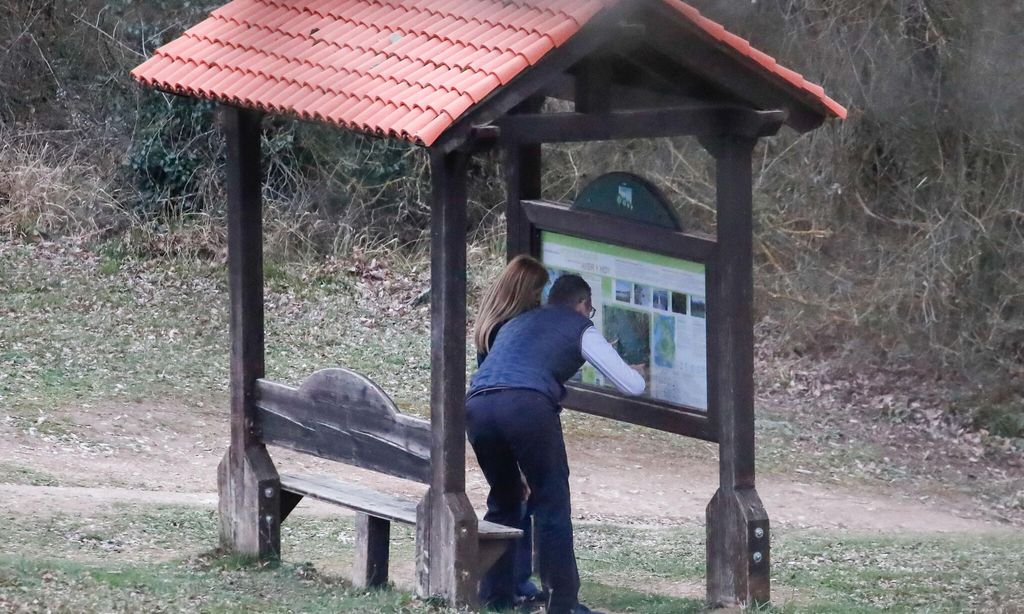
column 598, row 352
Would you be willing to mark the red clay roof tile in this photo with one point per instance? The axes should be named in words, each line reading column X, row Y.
column 401, row 68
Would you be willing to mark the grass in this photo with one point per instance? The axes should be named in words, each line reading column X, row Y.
column 135, row 558
column 74, row 328
column 201, row 584
column 95, row 324
column 17, row 474
column 82, row 326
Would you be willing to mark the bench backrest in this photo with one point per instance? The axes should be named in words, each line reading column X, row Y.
column 341, row 415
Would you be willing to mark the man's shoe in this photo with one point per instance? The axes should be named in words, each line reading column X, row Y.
column 582, row 609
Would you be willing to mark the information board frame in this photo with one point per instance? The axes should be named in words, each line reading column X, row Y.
column 696, row 247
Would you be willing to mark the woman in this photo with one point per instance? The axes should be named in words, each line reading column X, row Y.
column 516, row 290
column 513, row 424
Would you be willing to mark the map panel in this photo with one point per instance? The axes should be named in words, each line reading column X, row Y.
column 652, row 308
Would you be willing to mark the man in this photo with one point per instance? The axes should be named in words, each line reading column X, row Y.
column 513, row 424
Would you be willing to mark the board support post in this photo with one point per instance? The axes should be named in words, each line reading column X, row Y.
column 248, row 483
column 738, row 538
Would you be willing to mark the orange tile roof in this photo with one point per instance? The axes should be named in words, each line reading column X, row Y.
column 405, row 69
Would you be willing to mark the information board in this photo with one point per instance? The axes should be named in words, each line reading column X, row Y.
column 651, row 307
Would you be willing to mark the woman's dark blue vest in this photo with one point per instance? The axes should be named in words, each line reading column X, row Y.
column 537, row 350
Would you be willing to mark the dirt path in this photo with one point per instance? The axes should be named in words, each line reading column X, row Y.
column 167, row 454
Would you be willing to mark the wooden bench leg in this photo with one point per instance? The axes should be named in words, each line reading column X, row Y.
column 373, row 536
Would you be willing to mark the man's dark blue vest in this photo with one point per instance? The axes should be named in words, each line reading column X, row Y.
column 537, row 350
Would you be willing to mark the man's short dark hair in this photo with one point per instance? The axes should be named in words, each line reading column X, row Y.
column 569, row 290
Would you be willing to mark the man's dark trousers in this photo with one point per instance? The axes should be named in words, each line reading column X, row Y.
column 513, row 429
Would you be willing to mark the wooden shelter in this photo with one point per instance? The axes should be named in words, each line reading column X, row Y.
column 459, row 77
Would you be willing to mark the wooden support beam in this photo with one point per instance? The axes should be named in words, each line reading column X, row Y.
column 642, row 412
column 446, row 526
column 245, row 267
column 557, row 217
column 372, row 551
column 448, row 320
column 699, row 120
column 288, row 502
column 248, row 483
column 731, row 313
column 737, row 524
column 522, row 165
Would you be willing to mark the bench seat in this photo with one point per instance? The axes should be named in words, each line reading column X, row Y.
column 375, row 503
column 375, row 511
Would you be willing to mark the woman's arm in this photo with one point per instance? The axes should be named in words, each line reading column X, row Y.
column 598, row 352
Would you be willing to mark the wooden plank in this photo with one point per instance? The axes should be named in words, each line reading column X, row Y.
column 558, row 217
column 658, row 415
column 375, row 503
column 353, row 496
column 698, row 120
column 372, row 552
column 522, row 166
column 549, row 69
column 491, row 531
column 341, row 415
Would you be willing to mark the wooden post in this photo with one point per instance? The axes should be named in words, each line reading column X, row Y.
column 446, row 525
column 247, row 480
column 738, row 550
column 370, row 569
column 522, row 182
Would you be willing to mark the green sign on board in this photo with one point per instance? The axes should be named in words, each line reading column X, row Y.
column 629, row 196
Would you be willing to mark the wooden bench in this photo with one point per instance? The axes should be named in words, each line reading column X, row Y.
column 341, row 415
column 375, row 511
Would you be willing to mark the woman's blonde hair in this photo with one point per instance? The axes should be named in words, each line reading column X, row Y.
column 516, row 290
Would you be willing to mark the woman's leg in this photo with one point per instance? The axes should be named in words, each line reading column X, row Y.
column 504, row 502
column 525, row 588
column 534, row 431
